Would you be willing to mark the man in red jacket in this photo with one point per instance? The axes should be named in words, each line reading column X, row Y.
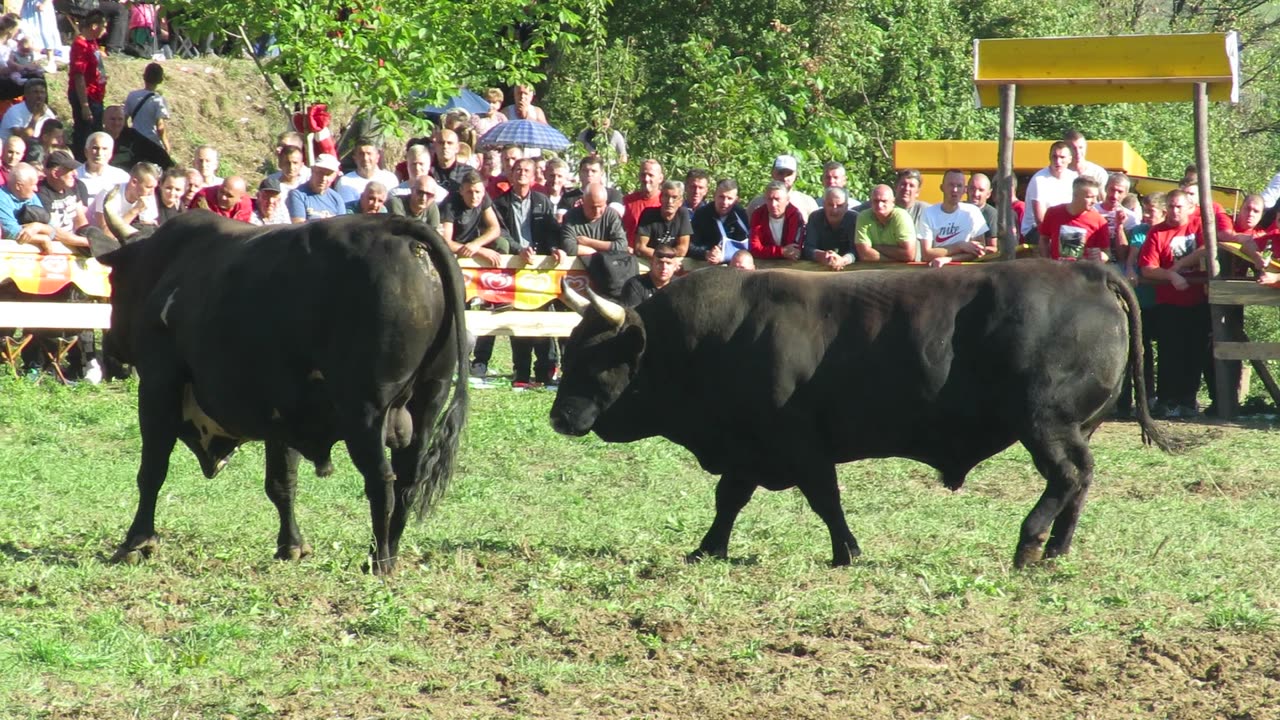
column 777, row 227
column 230, row 200
column 1175, row 249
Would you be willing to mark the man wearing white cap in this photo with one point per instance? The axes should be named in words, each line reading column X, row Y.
column 315, row 199
column 784, row 170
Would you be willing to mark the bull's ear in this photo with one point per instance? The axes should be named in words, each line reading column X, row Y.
column 633, row 340
column 100, row 244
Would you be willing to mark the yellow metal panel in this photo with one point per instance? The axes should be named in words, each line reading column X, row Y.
column 1091, row 70
column 1028, row 155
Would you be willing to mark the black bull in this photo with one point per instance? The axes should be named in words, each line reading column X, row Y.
column 771, row 378
column 348, row 330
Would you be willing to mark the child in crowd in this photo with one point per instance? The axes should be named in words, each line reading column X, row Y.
column 40, row 24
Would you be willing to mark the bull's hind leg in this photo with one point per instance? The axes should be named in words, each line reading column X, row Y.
column 428, row 400
column 282, row 488
column 1067, row 466
column 158, row 419
column 733, row 492
column 819, row 487
column 365, row 443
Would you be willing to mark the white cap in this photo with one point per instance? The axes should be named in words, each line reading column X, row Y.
column 785, row 162
column 326, row 162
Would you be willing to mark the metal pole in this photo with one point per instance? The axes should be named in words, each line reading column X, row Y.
column 1224, row 389
column 1006, row 221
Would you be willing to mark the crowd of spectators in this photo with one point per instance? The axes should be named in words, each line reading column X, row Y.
column 491, row 202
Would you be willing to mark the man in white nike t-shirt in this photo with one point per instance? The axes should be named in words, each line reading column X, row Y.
column 951, row 230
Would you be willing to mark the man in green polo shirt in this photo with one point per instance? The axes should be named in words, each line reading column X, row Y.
column 885, row 232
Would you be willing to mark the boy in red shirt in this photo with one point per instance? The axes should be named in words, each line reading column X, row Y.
column 87, row 81
column 1075, row 231
column 1175, row 248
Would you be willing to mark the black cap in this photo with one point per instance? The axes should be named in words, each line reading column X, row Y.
column 61, row 159
column 269, row 184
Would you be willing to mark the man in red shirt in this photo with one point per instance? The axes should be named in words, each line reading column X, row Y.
column 777, row 227
column 1075, row 231
column 648, row 195
column 230, row 200
column 87, row 84
column 1174, row 249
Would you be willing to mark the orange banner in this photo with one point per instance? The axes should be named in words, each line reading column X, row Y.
column 37, row 274
column 522, row 288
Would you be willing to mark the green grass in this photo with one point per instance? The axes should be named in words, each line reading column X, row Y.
column 550, row 583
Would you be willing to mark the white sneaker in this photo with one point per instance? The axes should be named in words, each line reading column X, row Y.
column 93, row 373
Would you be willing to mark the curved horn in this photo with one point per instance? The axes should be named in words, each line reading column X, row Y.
column 117, row 226
column 612, row 311
column 573, row 298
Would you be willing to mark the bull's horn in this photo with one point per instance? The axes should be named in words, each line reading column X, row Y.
column 117, row 226
column 612, row 311
column 573, row 298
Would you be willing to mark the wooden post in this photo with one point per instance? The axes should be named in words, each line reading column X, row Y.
column 1228, row 403
column 1006, row 221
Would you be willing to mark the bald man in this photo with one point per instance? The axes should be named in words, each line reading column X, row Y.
column 591, row 227
column 230, row 199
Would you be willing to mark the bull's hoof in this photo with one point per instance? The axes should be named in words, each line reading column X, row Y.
column 1027, row 556
column 133, row 553
column 384, row 568
column 324, row 468
column 293, row 552
column 701, row 554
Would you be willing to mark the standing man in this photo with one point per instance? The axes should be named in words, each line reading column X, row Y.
column 590, row 170
column 720, row 228
column 662, row 270
column 1174, row 250
column 696, row 184
column 315, row 199
column 1120, row 219
column 906, row 194
column 885, row 232
column 667, row 225
column 87, row 80
column 446, row 170
column 830, row 231
column 523, row 107
column 951, row 230
column 367, row 157
column 648, row 195
column 977, row 193
column 784, row 171
column 1075, row 231
column 1080, row 164
column 1048, row 187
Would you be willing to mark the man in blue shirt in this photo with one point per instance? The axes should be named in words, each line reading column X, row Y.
column 315, row 199
column 19, row 194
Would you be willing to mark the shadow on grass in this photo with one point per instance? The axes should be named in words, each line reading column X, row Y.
column 43, row 555
column 579, row 552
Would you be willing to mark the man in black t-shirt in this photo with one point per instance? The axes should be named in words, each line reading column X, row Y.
column 66, row 200
column 667, row 225
column 662, row 269
column 469, row 224
column 446, row 170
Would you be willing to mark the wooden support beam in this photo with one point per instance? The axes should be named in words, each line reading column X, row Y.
column 1246, row 351
column 1228, row 403
column 1006, row 233
column 1242, row 292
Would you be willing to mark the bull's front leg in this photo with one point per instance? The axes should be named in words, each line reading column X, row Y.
column 158, row 417
column 818, row 484
column 282, row 488
column 733, row 492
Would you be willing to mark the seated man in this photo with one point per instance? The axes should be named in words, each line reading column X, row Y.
column 667, row 225
column 977, row 192
column 97, row 173
column 469, row 224
column 28, row 117
column 591, row 227
column 293, row 168
column 417, row 162
column 314, row 199
column 1120, row 219
column 230, row 199
column 16, row 196
column 777, row 227
column 134, row 202
column 1076, row 231
column 269, row 204
column 372, row 200
column 720, row 228
column 1050, row 186
column 951, row 230
column 662, row 269
column 420, row 203
column 885, row 232
column 830, row 230
column 367, row 157
column 65, row 200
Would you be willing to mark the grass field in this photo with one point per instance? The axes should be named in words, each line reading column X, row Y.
column 550, row 583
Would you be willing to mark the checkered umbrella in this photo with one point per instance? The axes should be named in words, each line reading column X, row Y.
column 525, row 133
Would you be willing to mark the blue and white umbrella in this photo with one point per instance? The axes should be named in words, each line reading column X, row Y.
column 466, row 99
column 526, row 134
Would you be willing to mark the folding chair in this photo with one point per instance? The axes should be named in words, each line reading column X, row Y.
column 11, row 352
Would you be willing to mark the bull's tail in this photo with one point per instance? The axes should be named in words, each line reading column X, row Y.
column 436, row 463
column 1150, row 433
